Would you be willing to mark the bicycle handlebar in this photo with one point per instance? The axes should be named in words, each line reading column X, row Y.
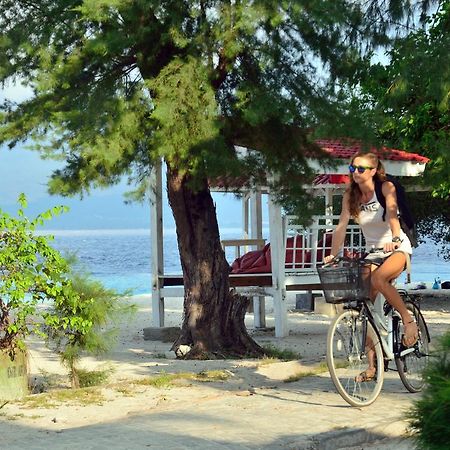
column 338, row 259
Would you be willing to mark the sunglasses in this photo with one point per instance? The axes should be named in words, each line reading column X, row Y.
column 360, row 169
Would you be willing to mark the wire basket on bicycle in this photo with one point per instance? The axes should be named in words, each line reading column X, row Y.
column 345, row 280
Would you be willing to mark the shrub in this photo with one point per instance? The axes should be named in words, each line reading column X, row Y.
column 82, row 322
column 80, row 309
column 429, row 418
column 31, row 271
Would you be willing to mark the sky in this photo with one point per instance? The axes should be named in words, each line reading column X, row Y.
column 23, row 171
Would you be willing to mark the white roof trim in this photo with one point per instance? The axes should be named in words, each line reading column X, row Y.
column 397, row 168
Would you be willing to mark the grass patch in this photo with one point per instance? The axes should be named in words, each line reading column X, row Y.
column 266, row 360
column 316, row 370
column 19, row 416
column 272, row 352
column 321, row 368
column 15, row 416
column 212, row 375
column 166, row 380
column 125, row 391
column 90, row 378
column 82, row 396
column 341, row 364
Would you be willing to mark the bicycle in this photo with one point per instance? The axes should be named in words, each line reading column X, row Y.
column 362, row 326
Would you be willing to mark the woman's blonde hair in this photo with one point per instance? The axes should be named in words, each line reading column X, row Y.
column 355, row 194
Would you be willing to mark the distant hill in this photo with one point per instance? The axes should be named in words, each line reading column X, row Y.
column 24, row 171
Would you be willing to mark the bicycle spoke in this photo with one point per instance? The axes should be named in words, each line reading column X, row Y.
column 348, row 357
column 411, row 363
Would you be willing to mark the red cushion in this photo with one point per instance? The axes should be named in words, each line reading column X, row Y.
column 259, row 261
column 324, row 242
column 250, row 261
column 294, row 243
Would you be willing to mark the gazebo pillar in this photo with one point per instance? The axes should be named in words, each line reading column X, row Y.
column 278, row 255
column 259, row 307
column 156, row 239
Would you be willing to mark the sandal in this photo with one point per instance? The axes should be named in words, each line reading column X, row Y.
column 366, row 376
column 415, row 336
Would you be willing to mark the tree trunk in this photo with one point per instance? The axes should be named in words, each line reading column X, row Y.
column 213, row 320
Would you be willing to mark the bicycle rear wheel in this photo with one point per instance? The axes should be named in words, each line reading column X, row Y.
column 411, row 365
column 347, row 346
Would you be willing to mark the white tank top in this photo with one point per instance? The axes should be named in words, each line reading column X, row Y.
column 376, row 230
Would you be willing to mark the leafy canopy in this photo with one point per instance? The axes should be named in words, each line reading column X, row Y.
column 119, row 83
column 409, row 98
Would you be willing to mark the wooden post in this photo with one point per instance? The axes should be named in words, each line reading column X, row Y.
column 157, row 238
column 329, row 205
column 245, row 221
column 278, row 256
column 259, row 306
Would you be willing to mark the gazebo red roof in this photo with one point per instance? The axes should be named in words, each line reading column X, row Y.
column 338, row 149
column 346, row 149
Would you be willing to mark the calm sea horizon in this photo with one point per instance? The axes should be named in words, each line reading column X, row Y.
column 121, row 258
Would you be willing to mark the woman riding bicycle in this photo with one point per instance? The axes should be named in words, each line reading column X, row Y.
column 360, row 202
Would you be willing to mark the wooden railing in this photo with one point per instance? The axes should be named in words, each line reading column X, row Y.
column 245, row 244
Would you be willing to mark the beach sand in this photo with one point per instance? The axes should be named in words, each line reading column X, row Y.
column 134, row 359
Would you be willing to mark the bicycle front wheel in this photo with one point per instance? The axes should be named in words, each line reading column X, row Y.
column 351, row 341
column 412, row 362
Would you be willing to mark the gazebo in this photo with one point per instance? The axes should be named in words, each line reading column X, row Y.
column 283, row 277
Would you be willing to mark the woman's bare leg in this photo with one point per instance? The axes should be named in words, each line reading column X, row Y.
column 391, row 268
column 369, row 346
column 381, row 281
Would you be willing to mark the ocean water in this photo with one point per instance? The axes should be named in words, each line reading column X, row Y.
column 121, row 258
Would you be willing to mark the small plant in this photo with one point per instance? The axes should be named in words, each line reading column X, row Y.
column 82, row 322
column 88, row 378
column 429, row 417
column 282, row 354
column 213, row 375
column 316, row 370
column 31, row 271
column 165, row 380
column 83, row 396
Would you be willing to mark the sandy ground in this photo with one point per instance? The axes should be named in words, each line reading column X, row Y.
column 134, row 358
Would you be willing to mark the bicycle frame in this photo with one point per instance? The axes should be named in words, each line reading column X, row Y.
column 368, row 335
column 383, row 323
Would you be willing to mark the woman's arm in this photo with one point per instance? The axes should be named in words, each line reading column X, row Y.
column 390, row 195
column 341, row 229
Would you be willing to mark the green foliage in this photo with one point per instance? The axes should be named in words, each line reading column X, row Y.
column 82, row 322
column 429, row 418
column 187, row 116
column 80, row 310
column 432, row 214
column 89, row 378
column 408, row 100
column 117, row 84
column 31, row 272
column 284, row 354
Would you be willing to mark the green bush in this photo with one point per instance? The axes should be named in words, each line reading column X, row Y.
column 430, row 416
column 80, row 310
column 31, row 272
column 83, row 322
